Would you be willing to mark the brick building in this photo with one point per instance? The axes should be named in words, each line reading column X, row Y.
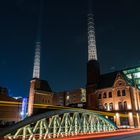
column 116, row 94
column 72, row 98
column 40, row 93
column 9, row 108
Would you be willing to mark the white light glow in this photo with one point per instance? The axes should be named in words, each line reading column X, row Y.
column 21, row 113
column 117, row 115
column 130, row 114
column 116, row 107
column 129, row 106
column 106, row 117
column 137, row 75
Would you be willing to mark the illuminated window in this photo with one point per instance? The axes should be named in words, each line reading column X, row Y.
column 137, row 75
column 120, row 105
column 104, row 95
column 105, row 106
column 129, row 76
column 125, row 105
column 68, row 97
column 123, row 92
column 110, row 95
column 99, row 96
column 118, row 93
column 111, row 106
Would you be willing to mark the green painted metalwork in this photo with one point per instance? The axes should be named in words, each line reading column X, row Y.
column 61, row 123
column 133, row 75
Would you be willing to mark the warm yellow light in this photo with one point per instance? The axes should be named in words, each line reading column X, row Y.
column 129, row 106
column 116, row 107
column 106, row 117
column 131, row 117
column 117, row 115
column 130, row 114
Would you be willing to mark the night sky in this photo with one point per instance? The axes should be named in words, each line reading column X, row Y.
column 64, row 40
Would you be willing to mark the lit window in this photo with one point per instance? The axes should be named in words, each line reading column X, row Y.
column 123, row 92
column 104, row 95
column 118, row 93
column 137, row 75
column 68, row 97
column 105, row 106
column 110, row 94
column 111, row 106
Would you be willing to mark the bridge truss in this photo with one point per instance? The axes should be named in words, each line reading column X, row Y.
column 58, row 123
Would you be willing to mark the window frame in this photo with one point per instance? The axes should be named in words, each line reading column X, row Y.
column 110, row 93
column 118, row 93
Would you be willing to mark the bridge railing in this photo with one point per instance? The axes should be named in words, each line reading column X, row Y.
column 59, row 123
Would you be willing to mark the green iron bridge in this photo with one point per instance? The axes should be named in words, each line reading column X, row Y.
column 58, row 123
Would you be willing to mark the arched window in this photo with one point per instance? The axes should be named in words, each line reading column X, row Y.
column 111, row 106
column 99, row 96
column 104, row 95
column 125, row 105
column 120, row 105
column 118, row 93
column 100, row 107
column 110, row 95
column 105, row 106
column 123, row 92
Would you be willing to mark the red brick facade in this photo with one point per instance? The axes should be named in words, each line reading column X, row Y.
column 121, row 98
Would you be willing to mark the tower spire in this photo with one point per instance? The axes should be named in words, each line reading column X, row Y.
column 92, row 52
column 36, row 67
column 93, row 68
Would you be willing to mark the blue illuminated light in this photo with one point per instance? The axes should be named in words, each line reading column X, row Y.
column 24, row 108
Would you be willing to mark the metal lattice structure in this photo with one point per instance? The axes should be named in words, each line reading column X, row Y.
column 92, row 52
column 36, row 68
column 59, row 123
column 133, row 75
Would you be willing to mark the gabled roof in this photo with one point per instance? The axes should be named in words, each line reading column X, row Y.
column 42, row 85
column 107, row 80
